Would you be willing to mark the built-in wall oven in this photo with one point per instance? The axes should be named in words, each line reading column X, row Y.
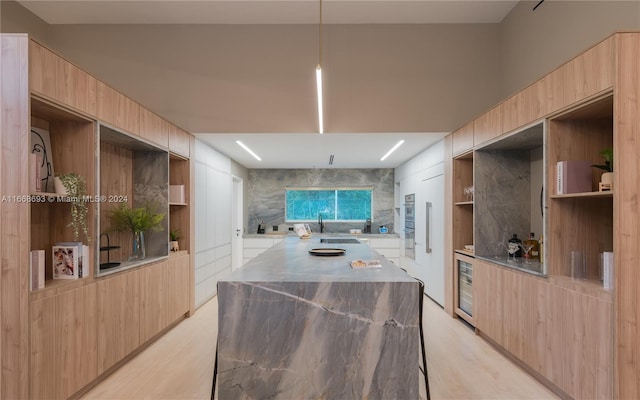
column 410, row 226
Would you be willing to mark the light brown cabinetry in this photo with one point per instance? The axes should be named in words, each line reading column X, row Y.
column 462, row 201
column 61, row 339
column 565, row 330
column 118, row 317
column 487, row 295
column 177, row 285
column 488, row 126
column 55, row 78
column 463, row 139
column 559, row 333
column 117, row 109
column 179, row 142
column 63, row 343
column 626, row 214
column 153, row 301
column 153, row 128
column 581, row 221
column 160, row 304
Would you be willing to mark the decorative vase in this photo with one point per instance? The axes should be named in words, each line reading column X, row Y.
column 138, row 251
column 174, row 245
column 607, row 178
column 59, row 186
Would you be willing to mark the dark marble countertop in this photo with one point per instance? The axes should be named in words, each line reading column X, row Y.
column 290, row 261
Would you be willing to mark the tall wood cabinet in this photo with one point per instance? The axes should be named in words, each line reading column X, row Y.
column 573, row 334
column 58, row 341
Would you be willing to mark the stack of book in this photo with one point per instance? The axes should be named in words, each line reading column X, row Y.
column 573, row 176
column 70, row 260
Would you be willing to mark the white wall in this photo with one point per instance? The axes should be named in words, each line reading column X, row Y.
column 212, row 220
column 536, row 42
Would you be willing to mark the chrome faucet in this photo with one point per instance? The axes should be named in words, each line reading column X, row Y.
column 320, row 223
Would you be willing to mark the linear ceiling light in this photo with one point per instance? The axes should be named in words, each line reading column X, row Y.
column 319, row 75
column 394, row 148
column 248, row 150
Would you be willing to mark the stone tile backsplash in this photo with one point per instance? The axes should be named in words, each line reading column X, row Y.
column 266, row 195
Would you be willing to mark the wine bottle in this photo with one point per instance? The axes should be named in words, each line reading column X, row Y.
column 514, row 246
column 533, row 247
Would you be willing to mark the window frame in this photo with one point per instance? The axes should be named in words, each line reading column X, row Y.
column 327, row 188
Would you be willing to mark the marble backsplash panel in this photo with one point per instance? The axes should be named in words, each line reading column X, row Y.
column 502, row 199
column 151, row 185
column 266, row 194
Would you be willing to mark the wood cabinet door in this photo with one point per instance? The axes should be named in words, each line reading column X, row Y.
column 54, row 77
column 179, row 141
column 117, row 109
column 63, row 343
column 153, row 300
column 463, row 139
column 118, row 318
column 487, row 300
column 177, row 288
column 153, row 128
column 488, row 126
column 588, row 347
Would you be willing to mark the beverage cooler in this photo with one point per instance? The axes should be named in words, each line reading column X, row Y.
column 464, row 287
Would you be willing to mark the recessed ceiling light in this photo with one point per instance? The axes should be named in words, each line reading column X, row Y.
column 392, row 150
column 248, row 150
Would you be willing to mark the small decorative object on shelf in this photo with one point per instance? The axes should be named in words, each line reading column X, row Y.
column 137, row 221
column 70, row 260
column 75, row 188
column 174, row 234
column 606, row 180
column 108, row 248
column 468, row 193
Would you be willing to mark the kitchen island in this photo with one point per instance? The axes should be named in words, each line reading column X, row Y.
column 297, row 326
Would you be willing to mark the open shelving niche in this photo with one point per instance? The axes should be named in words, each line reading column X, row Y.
column 137, row 173
column 463, row 205
column 510, row 195
column 179, row 212
column 72, row 149
column 581, row 221
column 463, row 209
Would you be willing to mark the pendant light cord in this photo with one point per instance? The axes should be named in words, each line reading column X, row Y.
column 320, row 37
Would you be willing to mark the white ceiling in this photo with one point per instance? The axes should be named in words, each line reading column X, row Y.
column 288, row 150
column 312, row 150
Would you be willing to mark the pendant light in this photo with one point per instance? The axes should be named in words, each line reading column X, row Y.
column 319, row 75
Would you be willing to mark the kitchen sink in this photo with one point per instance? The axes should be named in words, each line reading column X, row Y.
column 339, row 240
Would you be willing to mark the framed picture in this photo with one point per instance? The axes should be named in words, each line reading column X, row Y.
column 40, row 144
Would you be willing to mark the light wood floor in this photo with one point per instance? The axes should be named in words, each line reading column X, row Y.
column 180, row 364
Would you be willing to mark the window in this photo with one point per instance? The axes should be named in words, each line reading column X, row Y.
column 334, row 204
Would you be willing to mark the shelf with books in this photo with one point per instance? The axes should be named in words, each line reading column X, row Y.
column 61, row 142
column 576, row 139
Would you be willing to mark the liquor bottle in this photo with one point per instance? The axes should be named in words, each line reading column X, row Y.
column 534, row 247
column 514, row 246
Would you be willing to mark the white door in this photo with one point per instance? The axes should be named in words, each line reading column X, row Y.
column 236, row 224
column 432, row 245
